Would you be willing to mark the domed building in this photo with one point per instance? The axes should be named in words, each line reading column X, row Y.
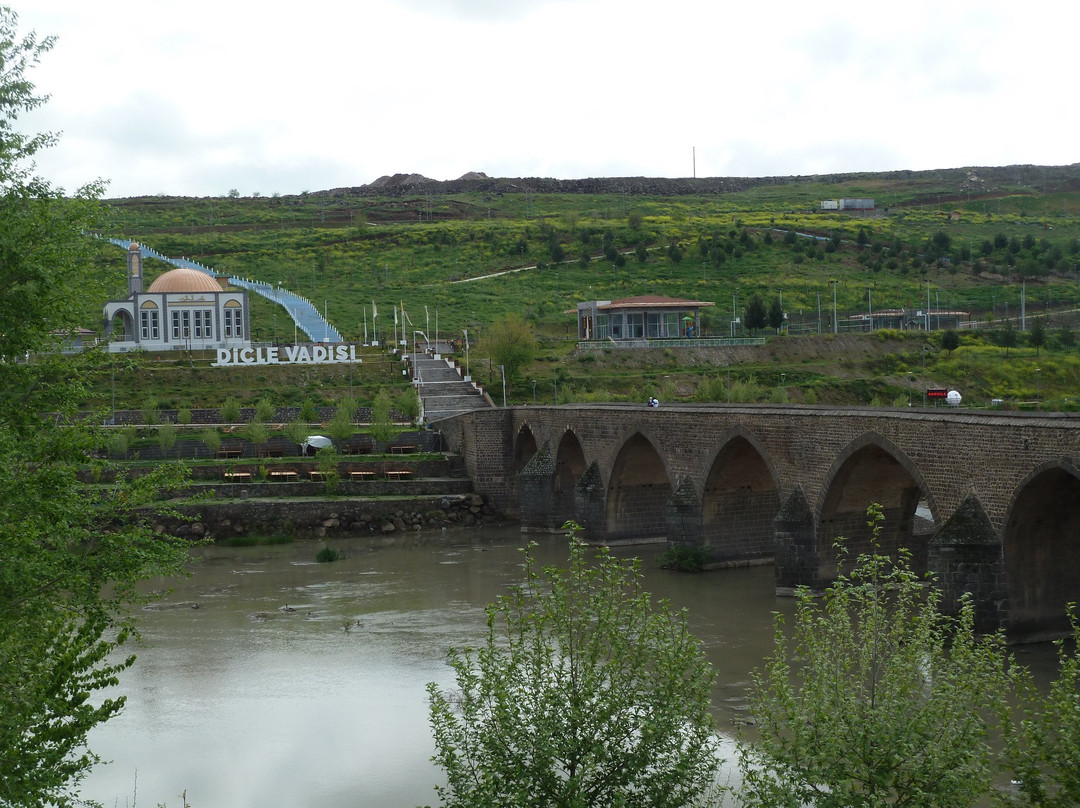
column 183, row 309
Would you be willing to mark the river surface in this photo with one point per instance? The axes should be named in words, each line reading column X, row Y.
column 268, row 679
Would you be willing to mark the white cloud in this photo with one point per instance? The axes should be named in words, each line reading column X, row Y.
column 285, row 98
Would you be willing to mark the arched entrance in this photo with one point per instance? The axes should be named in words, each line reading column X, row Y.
column 1042, row 555
column 739, row 502
column 524, row 448
column 871, row 473
column 569, row 466
column 638, row 492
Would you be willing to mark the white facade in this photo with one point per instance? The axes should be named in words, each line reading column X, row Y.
column 184, row 309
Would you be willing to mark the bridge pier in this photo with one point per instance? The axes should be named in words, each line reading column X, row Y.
column 538, row 500
column 965, row 557
column 683, row 516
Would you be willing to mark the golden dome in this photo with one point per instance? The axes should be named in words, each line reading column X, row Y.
column 184, row 280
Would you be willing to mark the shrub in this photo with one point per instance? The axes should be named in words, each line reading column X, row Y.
column 684, row 558
column 327, row 555
column 230, row 411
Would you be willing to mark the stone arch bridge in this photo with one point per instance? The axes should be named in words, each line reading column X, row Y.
column 990, row 502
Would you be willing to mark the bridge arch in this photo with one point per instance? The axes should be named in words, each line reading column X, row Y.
column 740, row 498
column 1041, row 544
column 872, row 469
column 639, row 488
column 525, row 447
column 570, row 464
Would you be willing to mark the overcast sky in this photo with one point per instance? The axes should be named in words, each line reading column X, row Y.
column 201, row 97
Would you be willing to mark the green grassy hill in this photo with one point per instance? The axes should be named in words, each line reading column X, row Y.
column 468, row 252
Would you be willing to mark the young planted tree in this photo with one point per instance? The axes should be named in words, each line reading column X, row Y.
column 341, row 426
column 1037, row 336
column 876, row 699
column 584, row 693
column 166, row 437
column 408, row 404
column 297, row 431
column 264, row 411
column 230, row 411
column 382, row 425
column 775, row 315
column 755, row 316
column 950, row 340
column 512, row 344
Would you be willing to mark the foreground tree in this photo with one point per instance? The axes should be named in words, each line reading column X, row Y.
column 890, row 702
column 1043, row 742
column 585, row 693
column 69, row 563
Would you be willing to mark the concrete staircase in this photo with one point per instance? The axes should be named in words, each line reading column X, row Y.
column 442, row 388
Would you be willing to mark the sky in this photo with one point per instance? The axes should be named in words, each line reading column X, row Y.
column 209, row 96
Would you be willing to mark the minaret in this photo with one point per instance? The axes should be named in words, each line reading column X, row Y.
column 134, row 269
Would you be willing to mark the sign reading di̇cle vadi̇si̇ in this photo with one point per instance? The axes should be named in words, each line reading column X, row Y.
column 287, row 355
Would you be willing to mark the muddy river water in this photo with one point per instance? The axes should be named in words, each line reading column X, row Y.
column 268, row 679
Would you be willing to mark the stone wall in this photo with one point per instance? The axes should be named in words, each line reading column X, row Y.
column 326, row 518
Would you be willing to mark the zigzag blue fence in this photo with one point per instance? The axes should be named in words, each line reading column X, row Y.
column 300, row 309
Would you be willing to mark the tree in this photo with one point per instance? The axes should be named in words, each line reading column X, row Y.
column 382, row 424
column 775, row 315
column 1043, row 747
column 408, row 404
column 264, row 411
column 512, row 344
column 755, row 315
column 341, row 426
column 1007, row 337
column 950, row 340
column 230, row 411
column 584, row 693
column 70, row 561
column 890, row 701
column 1066, row 338
column 1037, row 336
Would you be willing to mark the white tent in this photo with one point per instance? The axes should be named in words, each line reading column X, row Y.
column 315, row 442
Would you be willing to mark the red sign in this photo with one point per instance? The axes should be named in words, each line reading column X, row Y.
column 936, row 392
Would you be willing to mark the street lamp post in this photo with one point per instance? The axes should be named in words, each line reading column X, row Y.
column 534, row 392
column 835, row 324
column 465, row 331
column 1036, row 388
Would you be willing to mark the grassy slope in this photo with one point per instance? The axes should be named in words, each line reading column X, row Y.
column 350, row 249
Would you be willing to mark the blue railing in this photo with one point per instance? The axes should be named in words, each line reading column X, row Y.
column 300, row 309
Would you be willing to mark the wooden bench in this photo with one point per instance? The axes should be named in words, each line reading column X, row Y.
column 398, row 474
column 272, row 452
column 225, row 453
column 315, row 475
column 404, row 448
column 238, row 476
column 287, row 476
column 362, row 475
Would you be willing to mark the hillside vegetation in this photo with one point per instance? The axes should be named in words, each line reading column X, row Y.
column 459, row 255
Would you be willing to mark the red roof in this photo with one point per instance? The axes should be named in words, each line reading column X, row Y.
column 654, row 302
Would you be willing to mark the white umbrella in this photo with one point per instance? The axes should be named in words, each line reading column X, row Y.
column 315, row 442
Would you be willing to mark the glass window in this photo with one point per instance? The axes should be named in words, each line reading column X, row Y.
column 149, row 325
column 602, row 326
